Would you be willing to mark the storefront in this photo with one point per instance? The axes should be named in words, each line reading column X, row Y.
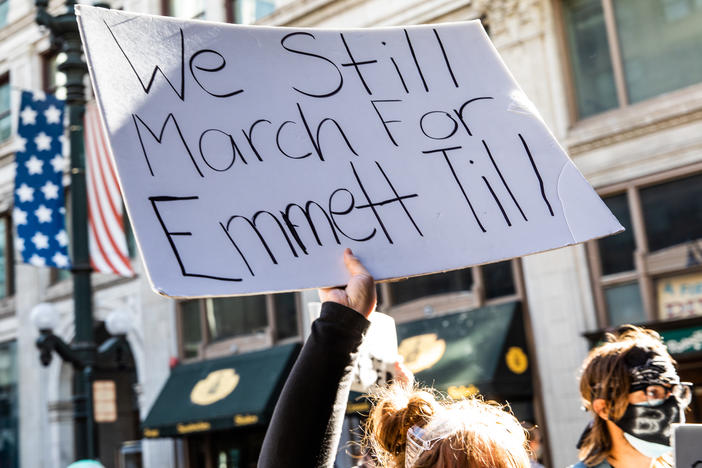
column 480, row 351
column 221, row 407
column 460, row 354
column 684, row 342
column 680, row 298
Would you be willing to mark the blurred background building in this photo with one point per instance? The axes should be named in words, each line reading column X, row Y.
column 619, row 82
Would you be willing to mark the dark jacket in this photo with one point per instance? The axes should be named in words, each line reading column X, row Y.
column 306, row 424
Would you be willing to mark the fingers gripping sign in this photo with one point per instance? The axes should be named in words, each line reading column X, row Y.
column 359, row 293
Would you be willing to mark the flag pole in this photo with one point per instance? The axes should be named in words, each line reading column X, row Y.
column 64, row 32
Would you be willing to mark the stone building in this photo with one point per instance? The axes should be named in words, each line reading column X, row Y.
column 619, row 82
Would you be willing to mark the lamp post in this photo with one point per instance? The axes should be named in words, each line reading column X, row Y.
column 82, row 352
column 118, row 324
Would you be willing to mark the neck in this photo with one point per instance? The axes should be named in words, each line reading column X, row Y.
column 622, row 454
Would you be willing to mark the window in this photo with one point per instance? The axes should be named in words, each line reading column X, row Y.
column 5, row 115
column 430, row 285
column 440, row 293
column 250, row 11
column 653, row 270
column 673, row 212
column 498, row 280
column 228, row 317
column 624, row 303
column 617, row 252
column 209, row 322
column 285, row 316
column 627, row 51
column 9, row 406
column 6, row 257
column 191, row 329
column 4, row 7
column 591, row 63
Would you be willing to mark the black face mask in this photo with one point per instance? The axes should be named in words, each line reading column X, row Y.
column 652, row 423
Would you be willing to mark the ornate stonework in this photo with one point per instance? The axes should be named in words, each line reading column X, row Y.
column 507, row 6
column 511, row 18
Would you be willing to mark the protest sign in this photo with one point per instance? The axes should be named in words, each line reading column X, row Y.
column 249, row 157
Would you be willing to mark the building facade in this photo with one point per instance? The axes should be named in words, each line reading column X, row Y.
column 619, row 82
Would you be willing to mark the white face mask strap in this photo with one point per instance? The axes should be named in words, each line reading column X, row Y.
column 419, row 439
column 416, row 445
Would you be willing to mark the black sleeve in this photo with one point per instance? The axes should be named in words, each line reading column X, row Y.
column 307, row 420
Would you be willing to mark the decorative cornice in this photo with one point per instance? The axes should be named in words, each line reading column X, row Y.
column 635, row 132
column 24, row 21
column 310, row 13
column 427, row 11
column 501, row 7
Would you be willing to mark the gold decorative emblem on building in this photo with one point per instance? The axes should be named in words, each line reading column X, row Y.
column 422, row 351
column 186, row 428
column 459, row 392
column 517, row 360
column 245, row 419
column 217, row 385
column 358, row 407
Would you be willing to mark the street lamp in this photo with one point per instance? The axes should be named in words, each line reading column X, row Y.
column 44, row 316
column 82, row 352
column 118, row 324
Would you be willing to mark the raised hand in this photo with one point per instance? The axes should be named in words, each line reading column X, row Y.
column 359, row 293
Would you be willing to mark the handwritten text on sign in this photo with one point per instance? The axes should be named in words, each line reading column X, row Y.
column 250, row 156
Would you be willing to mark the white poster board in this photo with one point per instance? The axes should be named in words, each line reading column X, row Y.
column 250, row 157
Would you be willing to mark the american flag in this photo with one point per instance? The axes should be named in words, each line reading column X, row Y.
column 108, row 245
column 39, row 212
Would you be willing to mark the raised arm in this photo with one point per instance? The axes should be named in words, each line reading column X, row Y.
column 306, row 423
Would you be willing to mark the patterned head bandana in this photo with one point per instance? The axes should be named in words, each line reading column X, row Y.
column 648, row 368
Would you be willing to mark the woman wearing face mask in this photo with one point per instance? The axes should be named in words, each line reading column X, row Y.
column 630, row 385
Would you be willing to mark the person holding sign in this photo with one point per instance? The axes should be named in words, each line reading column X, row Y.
column 306, row 425
column 408, row 427
column 630, row 385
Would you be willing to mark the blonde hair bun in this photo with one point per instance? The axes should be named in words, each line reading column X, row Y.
column 464, row 433
column 397, row 409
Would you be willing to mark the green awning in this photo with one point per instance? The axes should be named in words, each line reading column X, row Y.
column 683, row 340
column 358, row 403
column 220, row 393
column 481, row 350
